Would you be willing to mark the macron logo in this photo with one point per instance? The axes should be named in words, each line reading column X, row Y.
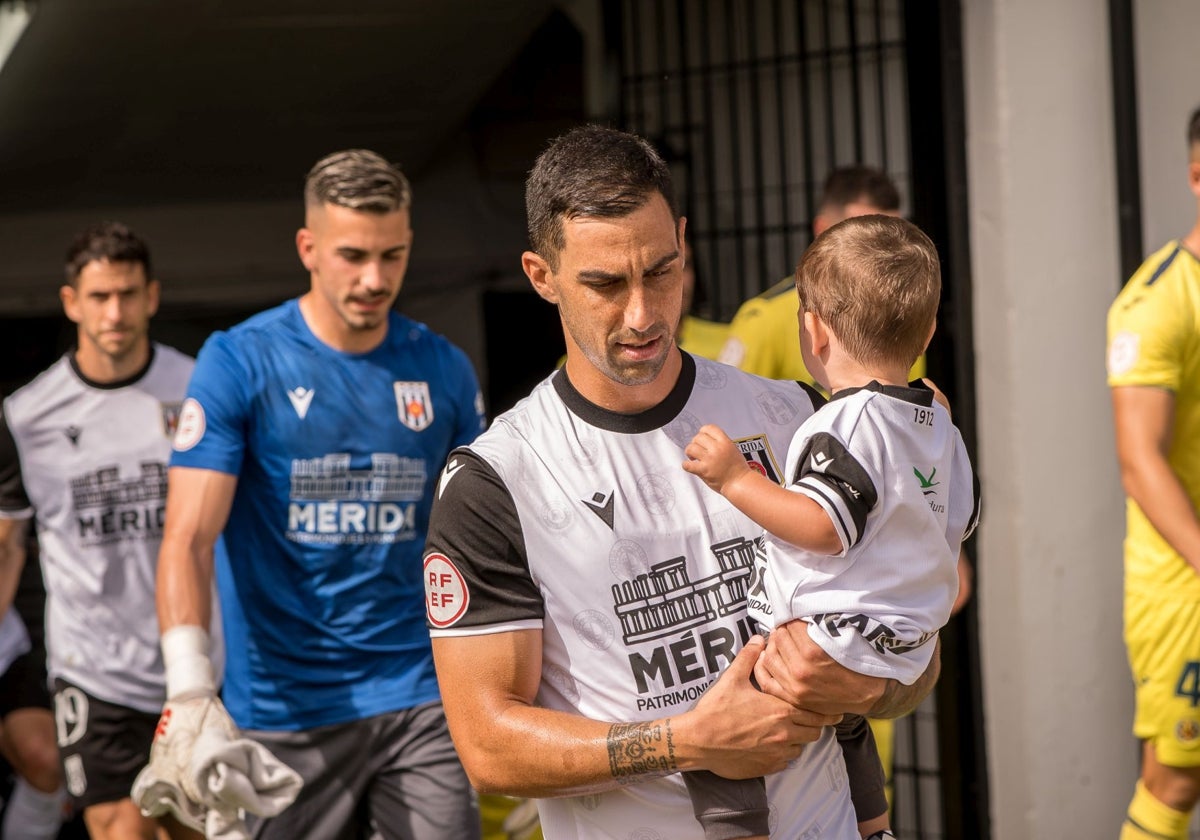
column 602, row 506
column 820, row 462
column 451, row 468
column 301, row 398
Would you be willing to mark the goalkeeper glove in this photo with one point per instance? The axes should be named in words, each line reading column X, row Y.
column 198, row 763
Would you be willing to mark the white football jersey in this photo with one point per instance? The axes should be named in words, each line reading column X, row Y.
column 889, row 468
column 92, row 472
column 582, row 523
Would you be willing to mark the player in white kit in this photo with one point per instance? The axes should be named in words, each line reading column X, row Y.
column 575, row 576
column 93, row 434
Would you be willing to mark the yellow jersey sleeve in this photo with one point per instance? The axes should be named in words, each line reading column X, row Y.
column 1153, row 326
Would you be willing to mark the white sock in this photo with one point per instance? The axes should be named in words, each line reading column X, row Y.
column 31, row 814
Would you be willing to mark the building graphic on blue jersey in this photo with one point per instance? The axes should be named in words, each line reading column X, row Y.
column 110, row 508
column 333, row 503
column 664, row 601
column 389, row 478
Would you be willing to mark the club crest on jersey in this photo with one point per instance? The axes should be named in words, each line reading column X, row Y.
column 1187, row 730
column 757, row 452
column 1123, row 352
column 170, row 418
column 413, row 404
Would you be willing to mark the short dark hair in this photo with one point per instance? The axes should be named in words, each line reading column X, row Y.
column 849, row 184
column 1194, row 129
column 109, row 241
column 360, row 180
column 590, row 171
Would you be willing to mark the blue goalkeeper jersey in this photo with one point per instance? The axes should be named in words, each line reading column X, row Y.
column 319, row 565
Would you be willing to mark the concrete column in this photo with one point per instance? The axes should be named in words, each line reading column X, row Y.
column 1045, row 267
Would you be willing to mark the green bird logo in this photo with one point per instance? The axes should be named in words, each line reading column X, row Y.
column 927, row 483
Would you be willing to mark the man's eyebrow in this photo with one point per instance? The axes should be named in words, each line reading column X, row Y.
column 664, row 260
column 354, row 249
column 611, row 276
column 600, row 274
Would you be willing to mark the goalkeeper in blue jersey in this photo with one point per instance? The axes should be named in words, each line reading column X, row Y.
column 303, row 472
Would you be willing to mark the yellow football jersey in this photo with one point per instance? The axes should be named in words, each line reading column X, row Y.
column 764, row 337
column 1154, row 340
column 701, row 337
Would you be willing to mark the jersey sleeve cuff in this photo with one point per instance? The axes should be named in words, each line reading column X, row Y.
column 487, row 629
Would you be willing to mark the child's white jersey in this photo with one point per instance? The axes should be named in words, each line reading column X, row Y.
column 889, row 467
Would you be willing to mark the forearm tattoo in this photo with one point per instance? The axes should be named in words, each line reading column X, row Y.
column 640, row 750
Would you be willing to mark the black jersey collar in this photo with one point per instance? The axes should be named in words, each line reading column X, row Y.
column 631, row 424
column 916, row 392
column 109, row 386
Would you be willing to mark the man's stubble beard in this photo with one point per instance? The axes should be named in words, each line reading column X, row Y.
column 639, row 373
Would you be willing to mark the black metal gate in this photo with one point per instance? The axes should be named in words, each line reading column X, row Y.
column 753, row 102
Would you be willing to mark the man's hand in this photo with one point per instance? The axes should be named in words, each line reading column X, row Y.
column 745, row 733
column 199, row 763
column 166, row 785
column 794, row 668
column 200, row 767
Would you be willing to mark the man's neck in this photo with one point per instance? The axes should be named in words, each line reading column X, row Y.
column 601, row 391
column 104, row 369
column 1192, row 240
